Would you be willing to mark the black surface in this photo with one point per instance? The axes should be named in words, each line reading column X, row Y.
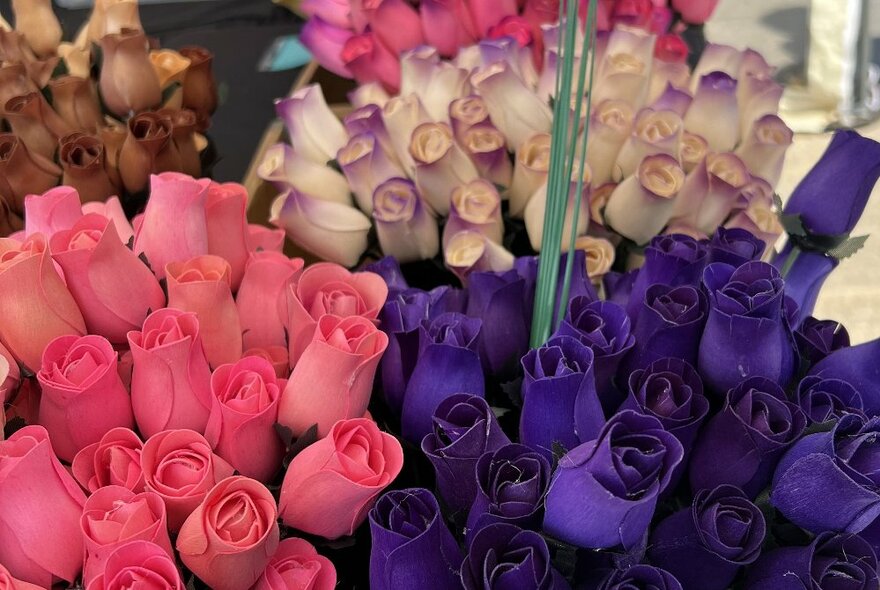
column 238, row 32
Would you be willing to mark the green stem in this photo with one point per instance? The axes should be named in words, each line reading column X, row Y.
column 789, row 262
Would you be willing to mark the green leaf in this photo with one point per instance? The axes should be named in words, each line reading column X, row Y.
column 848, row 248
column 552, row 102
column 817, row 427
column 777, row 202
column 792, row 224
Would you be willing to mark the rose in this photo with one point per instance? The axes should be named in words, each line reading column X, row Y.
column 396, row 23
column 226, row 218
column 625, row 69
column 816, row 339
column 25, row 172
column 599, row 254
column 113, row 288
column 264, row 238
column 692, row 151
column 747, row 331
column 36, row 305
column 755, row 426
column 109, row 16
column 32, row 118
column 185, row 140
column 313, row 128
column 83, row 395
column 83, row 159
column 286, row 168
column 471, row 251
column 400, row 318
column 640, row 576
column 10, row 375
column 475, row 206
column 367, row 166
column 199, row 87
column 828, row 399
column 405, row 226
column 530, row 169
column 333, row 379
column 436, row 83
column 759, row 220
column 180, row 467
column 112, row 210
column 441, row 164
column 610, row 126
column 695, row 12
column 713, row 114
column 710, row 192
column 486, row 147
column 229, row 539
column 243, row 414
column 128, row 82
column 763, row 150
column 170, row 67
column 447, row 25
column 591, row 503
column 262, row 298
column 467, row 112
column 170, row 382
column 654, row 132
column 407, row 529
column 367, row 119
column 734, row 247
column 705, row 545
column 326, row 288
column 147, row 148
column 55, row 210
column 115, row 460
column 325, row 41
column 808, row 272
column 7, row 582
column 31, row 479
column 275, row 356
column 142, row 563
column 369, row 60
column 402, row 115
column 114, row 516
column 498, row 299
column 296, row 565
column 330, row 486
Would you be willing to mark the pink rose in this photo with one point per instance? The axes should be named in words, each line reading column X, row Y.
column 40, row 506
column 54, row 210
column 369, row 60
column 203, row 285
column 332, row 11
column 228, row 235
column 139, row 563
column 447, row 25
column 112, row 287
column 333, row 378
column 277, row 356
column 112, row 210
column 114, row 516
column 83, row 395
column 10, row 374
column 671, row 48
column 332, row 484
column 36, row 306
column 325, row 41
column 262, row 238
column 296, row 565
column 230, row 538
column 396, row 23
column 115, row 460
column 262, row 298
column 180, row 466
column 26, row 402
column 241, row 428
column 174, row 226
column 327, row 288
column 488, row 13
column 695, row 12
column 170, row 380
column 7, row 582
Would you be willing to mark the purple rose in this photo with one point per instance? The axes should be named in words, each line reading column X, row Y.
column 741, row 444
column 816, row 339
column 499, row 300
column 464, row 429
column 858, row 366
column 805, row 277
column 747, row 331
column 619, row 286
column 580, row 284
column 735, row 246
column 604, row 492
column 446, row 299
column 410, row 542
column 389, row 269
column 400, row 318
column 828, row 399
column 705, row 545
column 640, row 577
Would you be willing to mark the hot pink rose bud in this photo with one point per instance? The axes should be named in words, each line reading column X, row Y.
column 56, row 209
column 171, row 380
column 487, row 13
column 230, row 538
column 112, row 287
column 325, row 41
column 36, row 306
column 83, row 395
column 333, row 379
column 203, row 285
column 297, row 565
column 262, row 238
column 7, row 582
column 694, row 11
column 226, row 216
column 115, row 460
column 447, row 25
column 326, row 288
column 180, row 466
column 140, row 562
column 332, row 484
column 396, row 23
column 39, row 501
column 114, row 516
column 245, row 409
column 369, row 60
column 277, row 356
column 262, row 298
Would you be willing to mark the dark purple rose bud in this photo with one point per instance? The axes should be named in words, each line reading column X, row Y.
column 464, row 429
column 741, row 444
column 830, row 481
column 511, row 484
column 705, row 545
column 504, row 556
column 839, row 561
column 735, row 246
column 672, row 259
column 448, row 363
column 605, row 328
column 828, row 399
column 805, row 277
column 389, row 269
column 816, row 339
column 640, row 577
column 619, row 286
column 498, row 299
column 580, row 284
column 410, row 542
column 747, row 332
column 400, row 318
column 560, row 404
column 604, row 492
column 858, row 366
column 446, row 299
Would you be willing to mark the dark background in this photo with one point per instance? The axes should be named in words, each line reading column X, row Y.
column 238, row 32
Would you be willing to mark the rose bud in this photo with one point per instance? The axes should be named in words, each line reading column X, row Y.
column 757, row 95
column 447, row 26
column 756, row 424
column 499, row 300
column 828, row 399
column 467, row 112
column 655, row 132
column 25, row 173
column 470, row 251
column 184, row 137
column 115, row 460
column 716, row 58
column 92, row 250
column 14, row 80
column 622, row 509
column 625, row 68
column 673, row 99
column 370, row 94
column 331, row 231
column 83, row 160
column 599, row 255
column 10, row 375
column 325, row 42
column 400, row 318
column 285, row 168
column 128, row 82
column 530, row 171
column 199, row 86
column 369, row 60
column 475, row 206
column 36, row 304
column 170, row 67
column 139, row 562
column 76, row 101
column 147, row 145
column 366, row 165
column 714, row 114
column 31, row 478
column 407, row 529
column 485, row 146
column 275, row 356
column 402, row 115
column 7, row 582
column 502, row 554
column 706, row 544
column 112, row 210
column 804, row 280
column 342, row 473
column 312, row 127
column 734, row 247
column 405, row 226
column 368, row 119
column 816, row 339
column 692, row 151
column 114, row 516
column 388, row 268
column 610, row 126
column 441, row 164
column 297, row 565
column 226, row 218
column 262, row 238
column 537, row 207
column 170, row 383
column 55, row 210
column 514, row 108
column 763, row 149
column 37, row 22
column 202, row 285
column 262, row 298
column 710, row 192
column 328, row 289
column 759, row 221
column 333, row 379
column 180, row 467
column 396, row 23
column 639, row 576
column 36, row 123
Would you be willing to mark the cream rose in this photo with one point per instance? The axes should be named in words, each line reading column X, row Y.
column 655, row 132
column 441, row 164
column 529, row 172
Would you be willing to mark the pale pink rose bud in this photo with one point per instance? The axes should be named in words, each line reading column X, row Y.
column 367, row 94
column 757, row 95
column 55, row 210
column 470, row 251
column 610, row 126
column 487, row 150
column 112, row 210
column 692, row 151
column 467, row 112
column 710, row 192
column 716, row 58
column 405, row 226
column 476, row 206
column 714, row 114
column 314, row 130
column 514, row 107
column 530, row 169
column 402, row 115
column 285, row 168
column 763, row 149
column 625, row 69
column 228, row 235
column 441, row 164
column 296, row 565
column 366, row 165
column 655, row 132
column 436, row 83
